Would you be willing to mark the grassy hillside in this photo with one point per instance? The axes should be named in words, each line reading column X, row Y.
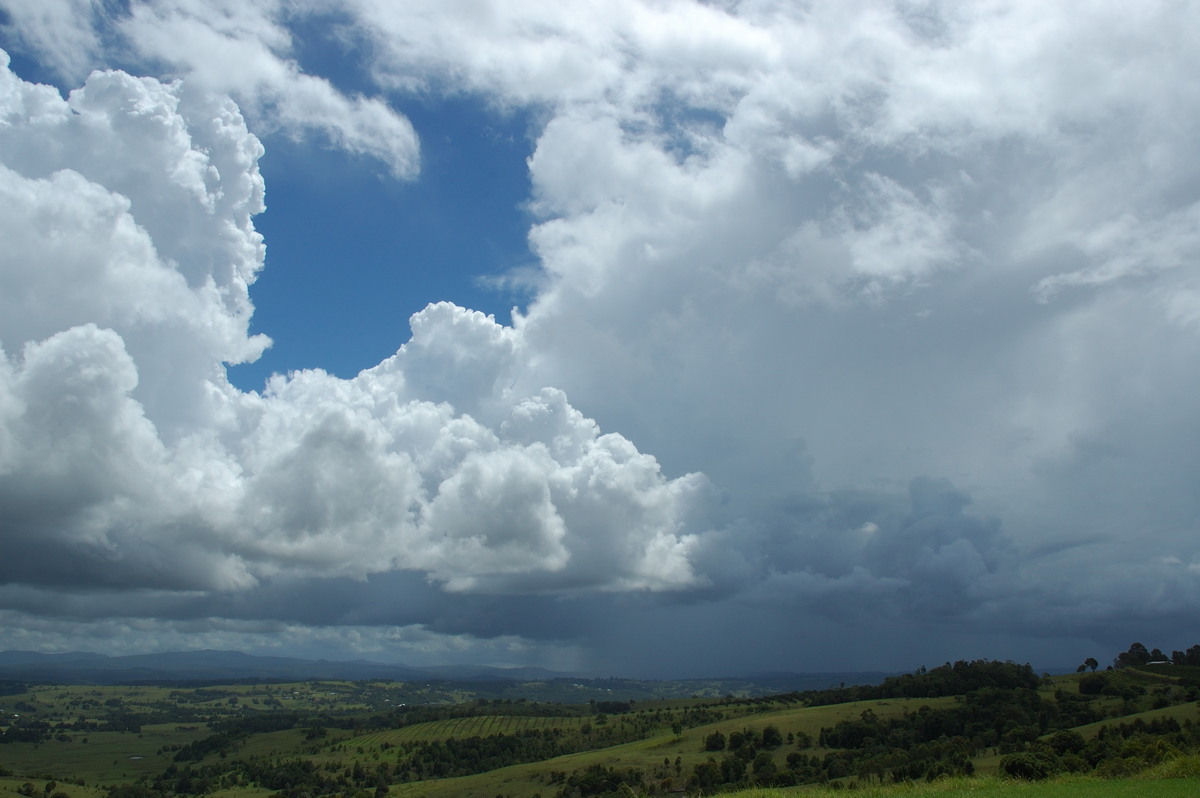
column 364, row 739
column 657, row 755
column 1004, row 788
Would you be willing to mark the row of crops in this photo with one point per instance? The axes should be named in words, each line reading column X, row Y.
column 459, row 728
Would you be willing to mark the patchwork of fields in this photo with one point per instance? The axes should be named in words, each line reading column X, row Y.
column 358, row 740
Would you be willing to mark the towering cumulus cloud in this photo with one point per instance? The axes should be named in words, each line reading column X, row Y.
column 127, row 459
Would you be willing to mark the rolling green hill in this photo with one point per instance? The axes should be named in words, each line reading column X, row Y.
column 971, row 724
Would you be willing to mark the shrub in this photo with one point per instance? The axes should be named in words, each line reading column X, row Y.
column 1120, row 767
column 1181, row 767
column 1027, row 766
column 1067, row 742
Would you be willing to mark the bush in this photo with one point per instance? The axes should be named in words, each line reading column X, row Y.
column 1027, row 766
column 1120, row 767
column 1074, row 763
column 1181, row 767
column 1067, row 742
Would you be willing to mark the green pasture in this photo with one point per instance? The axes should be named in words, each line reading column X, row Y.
column 1158, row 682
column 1179, row 712
column 656, row 755
column 105, row 757
column 1173, row 779
column 9, row 787
column 241, row 792
column 795, row 718
column 85, row 701
column 101, row 758
column 1002, row 788
column 279, row 743
column 458, row 728
column 92, row 702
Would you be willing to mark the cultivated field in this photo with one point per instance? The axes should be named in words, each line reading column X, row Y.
column 929, row 731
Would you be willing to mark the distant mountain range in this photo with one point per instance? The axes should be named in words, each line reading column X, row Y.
column 215, row 667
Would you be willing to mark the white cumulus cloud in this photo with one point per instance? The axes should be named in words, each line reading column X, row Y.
column 129, row 460
column 901, row 296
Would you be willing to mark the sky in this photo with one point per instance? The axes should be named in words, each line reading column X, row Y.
column 652, row 338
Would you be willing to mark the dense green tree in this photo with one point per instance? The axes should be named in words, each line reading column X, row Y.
column 1027, row 766
column 1067, row 741
column 771, row 738
column 601, row 780
column 764, row 770
column 1137, row 654
column 733, row 770
column 705, row 776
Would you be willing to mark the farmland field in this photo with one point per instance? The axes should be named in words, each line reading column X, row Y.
column 997, row 788
column 475, row 726
column 358, row 739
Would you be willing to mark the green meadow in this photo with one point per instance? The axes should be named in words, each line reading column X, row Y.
column 985, row 787
column 977, row 728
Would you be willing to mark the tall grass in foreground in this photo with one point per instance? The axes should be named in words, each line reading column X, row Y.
column 1000, row 788
column 1178, row 778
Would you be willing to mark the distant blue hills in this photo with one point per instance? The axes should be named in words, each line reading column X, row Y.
column 215, row 667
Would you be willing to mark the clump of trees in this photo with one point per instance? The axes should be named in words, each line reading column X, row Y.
column 999, row 708
column 1117, row 750
column 601, row 780
column 464, row 756
column 1138, row 655
column 945, row 680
